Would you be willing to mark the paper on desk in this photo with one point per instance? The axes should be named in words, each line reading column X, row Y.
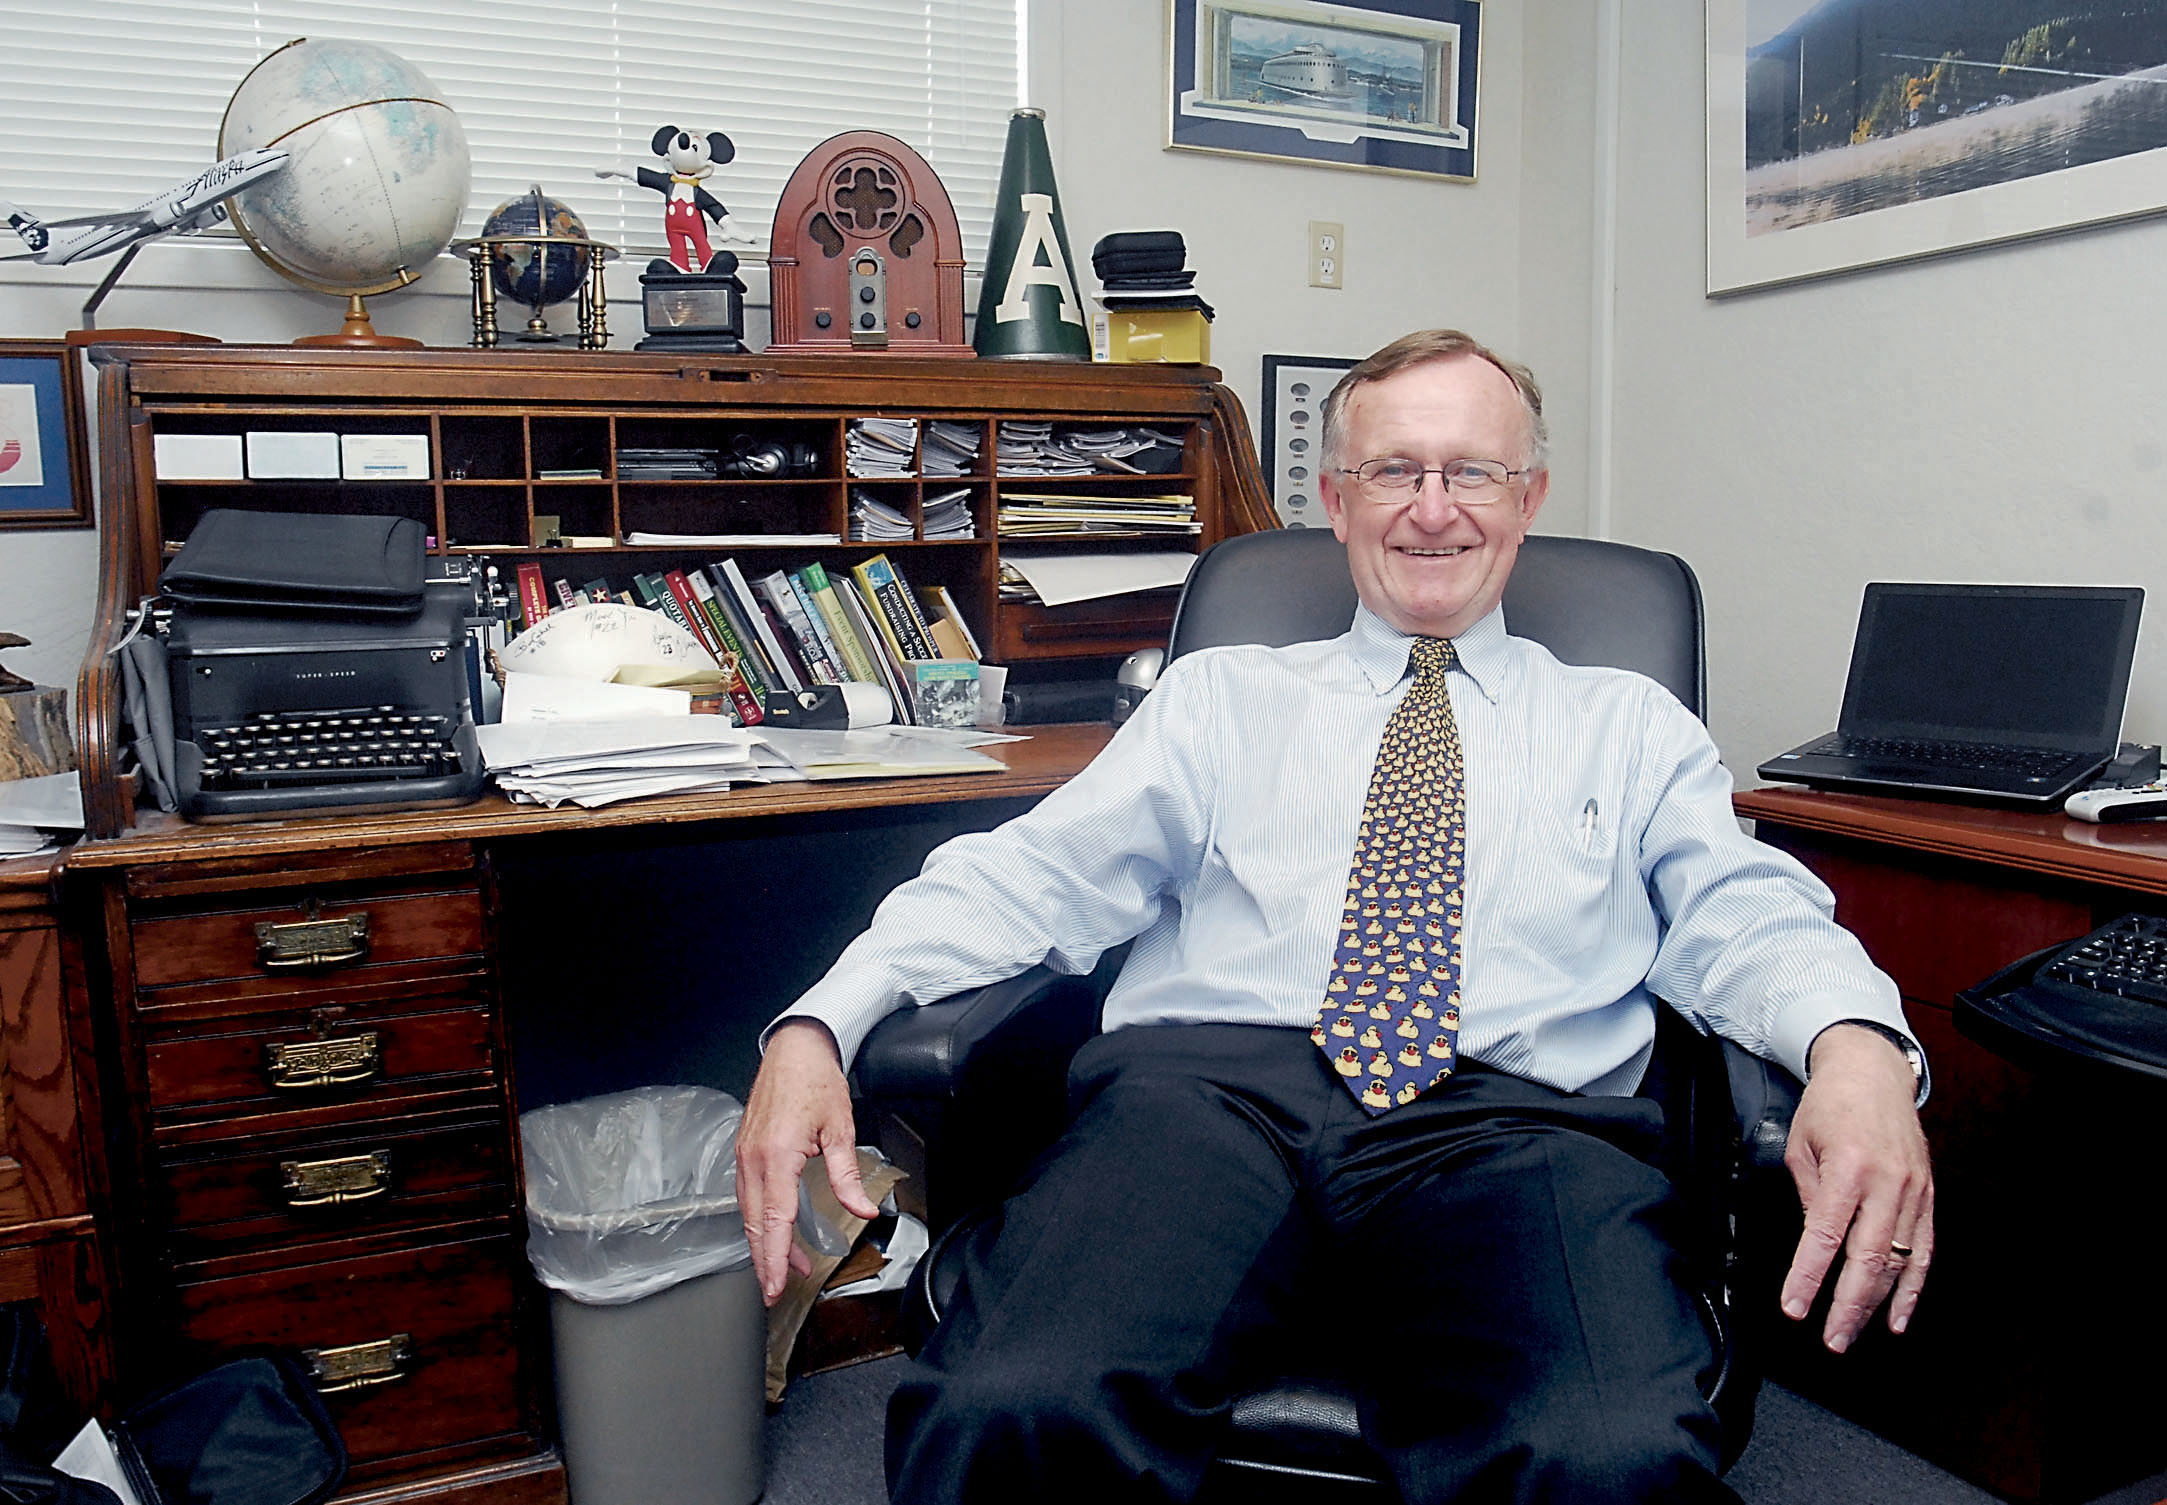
column 545, row 743
column 551, row 697
column 54, row 801
column 596, row 640
column 1062, row 578
column 875, row 753
column 90, row 1456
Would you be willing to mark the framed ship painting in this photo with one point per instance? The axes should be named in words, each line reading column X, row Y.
column 1391, row 86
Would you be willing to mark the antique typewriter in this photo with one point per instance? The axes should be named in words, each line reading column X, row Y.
column 321, row 675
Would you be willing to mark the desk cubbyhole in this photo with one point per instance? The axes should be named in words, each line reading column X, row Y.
column 181, row 505
column 478, row 448
column 569, row 449
column 877, row 505
column 487, row 515
column 752, row 449
column 581, row 510
column 778, row 507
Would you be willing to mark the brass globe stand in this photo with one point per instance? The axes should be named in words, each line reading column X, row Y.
column 357, row 332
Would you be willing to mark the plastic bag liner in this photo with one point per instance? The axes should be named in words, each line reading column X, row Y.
column 633, row 1192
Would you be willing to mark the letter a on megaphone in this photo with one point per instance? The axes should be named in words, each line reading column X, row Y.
column 1028, row 309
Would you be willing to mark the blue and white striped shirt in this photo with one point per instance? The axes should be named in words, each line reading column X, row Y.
column 1604, row 867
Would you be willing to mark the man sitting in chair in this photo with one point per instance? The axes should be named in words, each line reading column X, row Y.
column 1403, row 905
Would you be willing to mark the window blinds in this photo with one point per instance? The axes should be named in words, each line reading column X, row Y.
column 111, row 102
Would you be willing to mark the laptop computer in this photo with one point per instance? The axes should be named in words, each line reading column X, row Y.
column 2011, row 694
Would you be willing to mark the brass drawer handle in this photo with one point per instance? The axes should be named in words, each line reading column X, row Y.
column 329, row 1183
column 314, row 941
column 303, row 1065
column 360, row 1365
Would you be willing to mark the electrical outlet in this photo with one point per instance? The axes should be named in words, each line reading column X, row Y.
column 1327, row 254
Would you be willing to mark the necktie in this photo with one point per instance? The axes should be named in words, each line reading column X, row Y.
column 1390, row 1021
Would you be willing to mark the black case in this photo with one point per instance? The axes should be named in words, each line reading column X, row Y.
column 299, row 562
column 252, row 1431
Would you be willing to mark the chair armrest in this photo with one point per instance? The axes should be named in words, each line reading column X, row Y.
column 1037, row 1017
column 1765, row 1097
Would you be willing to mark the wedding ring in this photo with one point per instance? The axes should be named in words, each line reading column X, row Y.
column 1901, row 1251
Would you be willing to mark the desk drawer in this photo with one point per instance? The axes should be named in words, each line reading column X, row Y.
column 423, row 1341
column 370, row 1051
column 316, row 1188
column 304, row 938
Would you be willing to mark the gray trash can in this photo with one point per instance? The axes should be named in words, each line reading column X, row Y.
column 656, row 1317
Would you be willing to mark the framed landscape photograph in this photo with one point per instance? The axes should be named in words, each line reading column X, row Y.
column 1390, row 86
column 44, row 470
column 1848, row 133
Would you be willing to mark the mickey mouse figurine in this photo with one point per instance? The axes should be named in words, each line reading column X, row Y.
column 687, row 205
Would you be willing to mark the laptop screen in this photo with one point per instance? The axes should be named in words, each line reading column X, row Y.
column 2039, row 665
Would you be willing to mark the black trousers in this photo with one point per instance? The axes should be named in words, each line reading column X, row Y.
column 1493, row 1266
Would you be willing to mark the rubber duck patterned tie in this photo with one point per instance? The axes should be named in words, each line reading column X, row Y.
column 1391, row 1017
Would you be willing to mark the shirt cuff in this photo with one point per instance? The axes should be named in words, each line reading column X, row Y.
column 1899, row 1036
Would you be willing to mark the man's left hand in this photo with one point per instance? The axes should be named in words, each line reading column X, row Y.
column 1859, row 1158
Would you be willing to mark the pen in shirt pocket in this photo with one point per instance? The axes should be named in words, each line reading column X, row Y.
column 1591, row 825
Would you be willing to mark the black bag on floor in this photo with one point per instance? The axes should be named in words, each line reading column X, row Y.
column 252, row 1431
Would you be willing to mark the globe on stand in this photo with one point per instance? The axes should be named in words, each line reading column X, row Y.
column 535, row 250
column 376, row 179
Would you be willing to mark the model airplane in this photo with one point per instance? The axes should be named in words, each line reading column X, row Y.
column 195, row 205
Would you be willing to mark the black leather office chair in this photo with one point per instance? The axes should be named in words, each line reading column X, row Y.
column 980, row 1079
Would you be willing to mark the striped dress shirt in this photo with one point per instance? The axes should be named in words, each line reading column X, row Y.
column 1604, row 867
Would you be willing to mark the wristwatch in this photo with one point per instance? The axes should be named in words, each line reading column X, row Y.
column 1914, row 1057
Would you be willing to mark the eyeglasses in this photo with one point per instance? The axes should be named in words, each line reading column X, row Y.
column 1471, row 482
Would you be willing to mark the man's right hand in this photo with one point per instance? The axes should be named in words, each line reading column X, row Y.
column 799, row 1108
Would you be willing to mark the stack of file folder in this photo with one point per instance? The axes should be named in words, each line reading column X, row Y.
column 1061, row 515
column 1032, row 448
column 880, row 447
column 951, row 448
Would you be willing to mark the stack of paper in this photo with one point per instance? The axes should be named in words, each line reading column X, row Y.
column 951, row 448
column 1032, row 448
column 598, row 763
column 880, row 446
column 948, row 514
column 873, row 520
column 35, row 813
column 1061, row 515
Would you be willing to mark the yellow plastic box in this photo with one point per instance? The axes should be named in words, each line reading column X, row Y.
column 1180, row 336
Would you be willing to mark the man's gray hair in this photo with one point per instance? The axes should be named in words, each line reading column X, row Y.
column 1420, row 348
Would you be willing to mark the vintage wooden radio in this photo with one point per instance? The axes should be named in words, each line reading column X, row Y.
column 866, row 254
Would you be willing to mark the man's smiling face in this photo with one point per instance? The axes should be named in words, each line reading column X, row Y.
column 1422, row 561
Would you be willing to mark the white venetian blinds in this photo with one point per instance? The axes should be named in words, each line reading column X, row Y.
column 109, row 101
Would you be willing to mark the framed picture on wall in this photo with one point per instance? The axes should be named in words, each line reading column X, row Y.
column 1390, row 86
column 44, row 468
column 1294, row 388
column 1853, row 135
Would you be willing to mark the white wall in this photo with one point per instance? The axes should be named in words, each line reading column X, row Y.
column 1992, row 416
column 1420, row 252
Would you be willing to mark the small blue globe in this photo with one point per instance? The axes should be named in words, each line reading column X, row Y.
column 530, row 273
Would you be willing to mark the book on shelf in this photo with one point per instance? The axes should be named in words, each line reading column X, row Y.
column 890, row 672
column 817, row 620
column 743, row 695
column 894, row 613
column 563, row 588
column 533, row 603
column 857, row 661
column 776, row 592
column 723, row 629
column 730, row 581
column 944, row 692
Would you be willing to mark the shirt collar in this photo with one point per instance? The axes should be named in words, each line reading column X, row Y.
column 1380, row 650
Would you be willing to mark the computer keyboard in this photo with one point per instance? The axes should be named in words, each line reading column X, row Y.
column 281, row 749
column 2126, row 958
column 1995, row 756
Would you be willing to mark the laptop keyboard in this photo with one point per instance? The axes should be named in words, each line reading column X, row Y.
column 1993, row 757
column 275, row 750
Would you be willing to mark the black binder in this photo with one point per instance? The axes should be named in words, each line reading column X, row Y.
column 299, row 562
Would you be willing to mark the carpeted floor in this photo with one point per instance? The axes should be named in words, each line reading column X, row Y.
column 824, row 1449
